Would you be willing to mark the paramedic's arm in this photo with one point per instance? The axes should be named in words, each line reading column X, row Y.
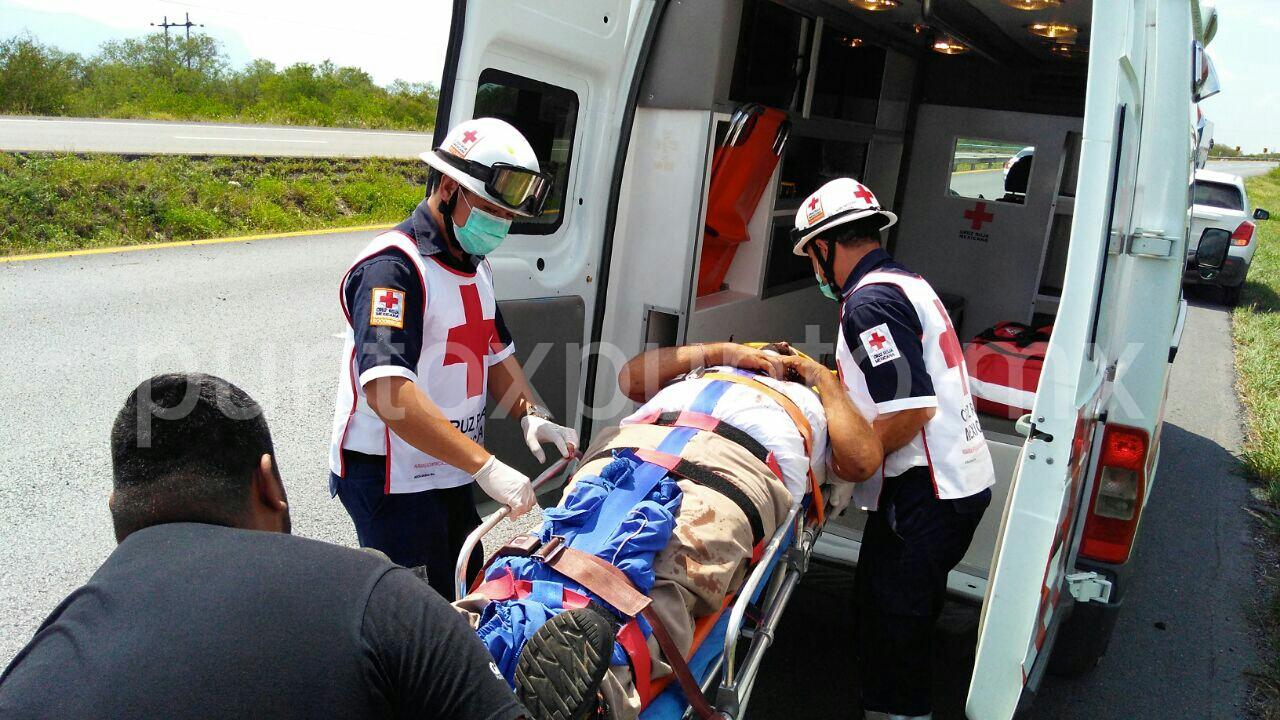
column 645, row 374
column 387, row 354
column 855, row 449
column 415, row 419
column 883, row 332
column 897, row 429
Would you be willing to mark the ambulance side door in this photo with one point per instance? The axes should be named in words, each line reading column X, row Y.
column 1038, row 535
column 559, row 71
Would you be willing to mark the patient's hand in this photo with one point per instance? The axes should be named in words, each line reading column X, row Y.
column 748, row 358
column 801, row 369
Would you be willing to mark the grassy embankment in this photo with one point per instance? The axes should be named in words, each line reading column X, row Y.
column 1256, row 331
column 53, row 202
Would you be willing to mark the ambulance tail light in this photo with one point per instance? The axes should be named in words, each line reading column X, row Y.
column 1117, row 498
column 1243, row 234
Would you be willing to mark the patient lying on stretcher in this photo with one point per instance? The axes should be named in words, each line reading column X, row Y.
column 671, row 506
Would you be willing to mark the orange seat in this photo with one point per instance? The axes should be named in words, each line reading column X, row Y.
column 740, row 171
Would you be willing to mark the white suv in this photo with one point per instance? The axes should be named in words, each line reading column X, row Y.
column 1221, row 204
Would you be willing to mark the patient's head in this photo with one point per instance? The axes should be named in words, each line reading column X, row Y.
column 190, row 447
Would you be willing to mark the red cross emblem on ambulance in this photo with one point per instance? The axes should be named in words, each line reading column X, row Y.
column 978, row 216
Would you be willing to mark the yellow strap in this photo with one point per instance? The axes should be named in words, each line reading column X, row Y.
column 797, row 416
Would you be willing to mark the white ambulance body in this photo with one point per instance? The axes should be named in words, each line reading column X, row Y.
column 626, row 102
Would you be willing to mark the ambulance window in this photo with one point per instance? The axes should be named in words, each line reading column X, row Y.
column 1219, row 195
column 772, row 52
column 546, row 115
column 810, row 162
column 847, row 83
column 785, row 271
column 991, row 170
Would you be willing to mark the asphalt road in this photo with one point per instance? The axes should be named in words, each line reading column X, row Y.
column 188, row 138
column 81, row 332
column 1243, row 168
column 986, row 184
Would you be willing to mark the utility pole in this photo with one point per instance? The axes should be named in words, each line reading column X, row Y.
column 187, row 25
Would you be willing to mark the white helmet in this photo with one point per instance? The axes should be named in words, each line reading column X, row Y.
column 838, row 202
column 492, row 159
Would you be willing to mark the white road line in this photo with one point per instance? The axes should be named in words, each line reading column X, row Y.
column 196, row 137
column 242, row 128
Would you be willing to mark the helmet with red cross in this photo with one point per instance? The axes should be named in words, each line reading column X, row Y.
column 492, row 159
column 840, row 201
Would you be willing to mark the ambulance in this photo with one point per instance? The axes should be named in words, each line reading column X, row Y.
column 1038, row 152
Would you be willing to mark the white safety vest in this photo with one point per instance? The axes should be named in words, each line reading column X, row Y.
column 459, row 343
column 951, row 444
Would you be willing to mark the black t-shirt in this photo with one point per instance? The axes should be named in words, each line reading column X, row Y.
column 199, row 621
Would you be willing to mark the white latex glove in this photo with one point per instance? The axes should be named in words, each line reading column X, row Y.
column 839, row 493
column 506, row 485
column 540, row 430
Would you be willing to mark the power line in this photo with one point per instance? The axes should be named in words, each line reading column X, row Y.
column 187, row 25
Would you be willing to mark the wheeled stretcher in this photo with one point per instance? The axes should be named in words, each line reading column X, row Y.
column 716, row 678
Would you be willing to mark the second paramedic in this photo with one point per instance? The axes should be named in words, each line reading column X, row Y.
column 901, row 363
column 425, row 344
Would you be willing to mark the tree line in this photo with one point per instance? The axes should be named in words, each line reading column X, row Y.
column 159, row 77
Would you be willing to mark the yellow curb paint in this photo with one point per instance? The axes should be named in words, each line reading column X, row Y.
column 187, row 243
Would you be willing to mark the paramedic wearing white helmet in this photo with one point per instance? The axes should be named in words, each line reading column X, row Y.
column 425, row 341
column 901, row 363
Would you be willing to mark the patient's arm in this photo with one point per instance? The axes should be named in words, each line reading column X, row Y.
column 645, row 374
column 855, row 449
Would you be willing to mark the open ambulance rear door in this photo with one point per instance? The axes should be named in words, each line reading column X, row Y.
column 1100, row 397
column 563, row 73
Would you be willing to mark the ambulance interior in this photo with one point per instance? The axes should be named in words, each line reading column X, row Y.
column 963, row 116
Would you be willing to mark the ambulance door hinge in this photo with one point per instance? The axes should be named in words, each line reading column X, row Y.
column 1089, row 587
column 1152, row 243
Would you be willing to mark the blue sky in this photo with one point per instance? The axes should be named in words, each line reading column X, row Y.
column 398, row 39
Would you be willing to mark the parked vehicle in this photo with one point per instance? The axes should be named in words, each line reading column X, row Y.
column 1221, row 218
column 627, row 104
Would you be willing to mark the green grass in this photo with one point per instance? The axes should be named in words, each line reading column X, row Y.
column 1256, row 330
column 53, row 202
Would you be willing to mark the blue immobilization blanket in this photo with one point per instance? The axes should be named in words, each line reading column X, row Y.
column 624, row 516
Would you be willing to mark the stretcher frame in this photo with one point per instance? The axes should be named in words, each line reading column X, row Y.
column 728, row 683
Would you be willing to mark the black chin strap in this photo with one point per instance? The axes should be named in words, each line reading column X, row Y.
column 827, row 262
column 446, row 208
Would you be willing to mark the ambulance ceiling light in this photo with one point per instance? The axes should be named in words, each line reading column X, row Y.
column 1053, row 31
column 1067, row 51
column 853, row 42
column 1032, row 4
column 875, row 5
column 949, row 46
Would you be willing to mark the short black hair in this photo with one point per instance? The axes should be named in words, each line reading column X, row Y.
column 183, row 449
column 862, row 230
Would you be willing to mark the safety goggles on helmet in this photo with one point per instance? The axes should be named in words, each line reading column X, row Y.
column 516, row 187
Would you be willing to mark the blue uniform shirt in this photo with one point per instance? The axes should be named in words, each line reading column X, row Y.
column 879, row 304
column 379, row 345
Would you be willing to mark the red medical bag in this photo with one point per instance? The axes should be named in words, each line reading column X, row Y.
column 1005, row 362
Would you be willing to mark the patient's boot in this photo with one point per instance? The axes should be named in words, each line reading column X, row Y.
column 560, row 669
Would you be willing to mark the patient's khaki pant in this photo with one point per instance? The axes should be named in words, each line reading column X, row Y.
column 707, row 556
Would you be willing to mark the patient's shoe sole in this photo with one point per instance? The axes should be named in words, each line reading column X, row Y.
column 559, row 671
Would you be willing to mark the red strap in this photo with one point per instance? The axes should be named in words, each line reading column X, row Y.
column 506, row 587
column 631, row 638
column 666, row 461
column 697, row 421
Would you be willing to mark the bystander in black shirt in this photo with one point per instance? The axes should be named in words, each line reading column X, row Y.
column 189, row 620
